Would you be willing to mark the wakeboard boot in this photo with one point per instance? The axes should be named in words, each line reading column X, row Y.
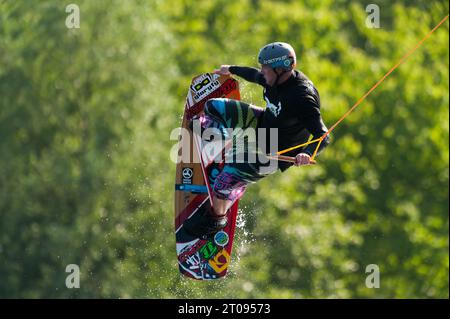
column 204, row 223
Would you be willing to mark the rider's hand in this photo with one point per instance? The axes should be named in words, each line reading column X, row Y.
column 224, row 70
column 303, row 159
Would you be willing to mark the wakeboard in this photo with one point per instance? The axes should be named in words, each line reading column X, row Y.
column 205, row 258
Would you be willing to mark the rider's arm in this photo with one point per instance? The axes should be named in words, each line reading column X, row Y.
column 248, row 73
column 310, row 114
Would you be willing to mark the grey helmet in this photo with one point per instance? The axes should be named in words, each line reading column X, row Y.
column 278, row 55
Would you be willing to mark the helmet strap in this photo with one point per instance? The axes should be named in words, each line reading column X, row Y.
column 278, row 76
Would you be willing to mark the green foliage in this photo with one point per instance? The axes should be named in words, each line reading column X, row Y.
column 85, row 174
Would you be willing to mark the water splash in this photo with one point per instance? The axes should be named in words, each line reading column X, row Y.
column 243, row 239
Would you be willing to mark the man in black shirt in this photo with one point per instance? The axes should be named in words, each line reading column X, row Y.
column 293, row 109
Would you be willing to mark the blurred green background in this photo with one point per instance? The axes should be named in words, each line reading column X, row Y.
column 85, row 174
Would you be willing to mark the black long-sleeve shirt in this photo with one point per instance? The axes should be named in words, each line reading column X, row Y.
column 293, row 107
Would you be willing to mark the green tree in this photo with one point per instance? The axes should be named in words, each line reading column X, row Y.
column 85, row 175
